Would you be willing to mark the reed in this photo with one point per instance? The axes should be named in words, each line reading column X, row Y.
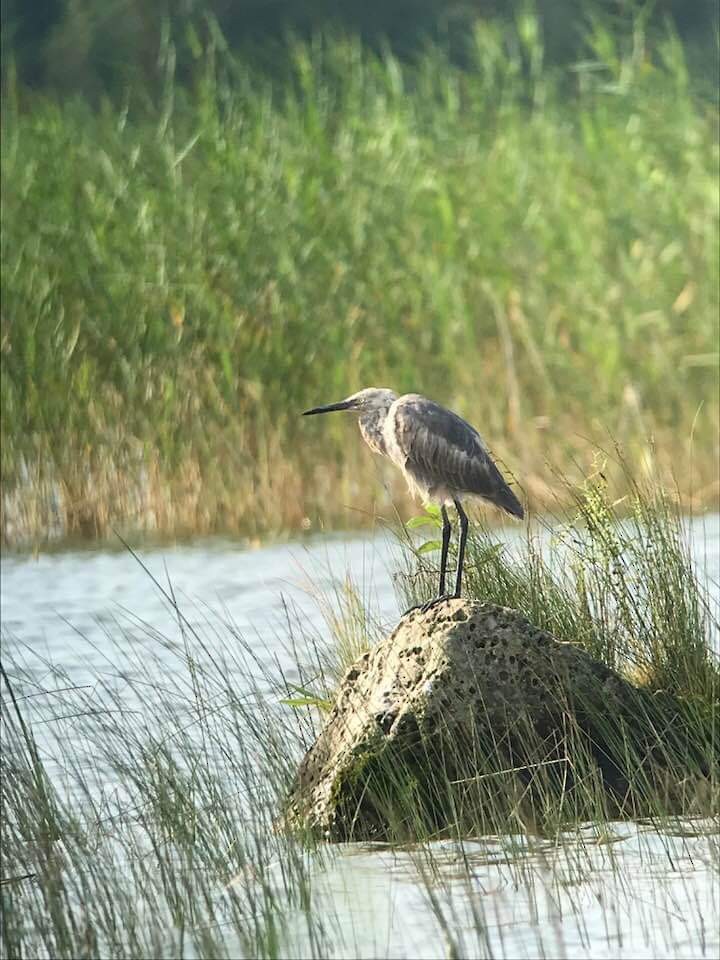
column 532, row 246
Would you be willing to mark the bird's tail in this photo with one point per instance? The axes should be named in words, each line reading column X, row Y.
column 509, row 502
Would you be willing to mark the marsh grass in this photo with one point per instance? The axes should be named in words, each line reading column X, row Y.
column 615, row 575
column 181, row 278
column 143, row 813
column 151, row 833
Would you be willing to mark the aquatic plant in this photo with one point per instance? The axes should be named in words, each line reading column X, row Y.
column 143, row 813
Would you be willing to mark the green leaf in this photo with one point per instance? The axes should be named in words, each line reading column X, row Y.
column 432, row 510
column 227, row 366
column 306, row 699
column 421, row 521
column 318, row 702
column 303, row 691
column 429, row 546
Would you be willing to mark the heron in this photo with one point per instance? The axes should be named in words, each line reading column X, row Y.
column 443, row 458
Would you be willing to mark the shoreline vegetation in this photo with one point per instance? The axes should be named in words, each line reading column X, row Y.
column 534, row 246
column 146, row 820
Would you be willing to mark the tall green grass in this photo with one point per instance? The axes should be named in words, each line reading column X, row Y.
column 143, row 816
column 616, row 576
column 535, row 248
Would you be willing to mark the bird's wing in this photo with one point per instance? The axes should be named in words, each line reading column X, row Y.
column 445, row 451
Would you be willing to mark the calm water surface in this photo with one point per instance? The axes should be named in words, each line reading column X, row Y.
column 638, row 895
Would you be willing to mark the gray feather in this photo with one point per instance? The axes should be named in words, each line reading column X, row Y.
column 443, row 451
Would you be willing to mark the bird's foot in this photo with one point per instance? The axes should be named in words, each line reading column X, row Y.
column 429, row 604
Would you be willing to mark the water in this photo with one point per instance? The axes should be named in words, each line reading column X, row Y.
column 634, row 893
column 52, row 602
column 62, row 604
column 631, row 894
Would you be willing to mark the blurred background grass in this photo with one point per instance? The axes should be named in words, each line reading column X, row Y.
column 210, row 224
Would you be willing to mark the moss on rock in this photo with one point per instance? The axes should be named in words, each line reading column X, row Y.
column 468, row 716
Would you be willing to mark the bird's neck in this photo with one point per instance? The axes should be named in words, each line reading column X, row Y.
column 371, row 424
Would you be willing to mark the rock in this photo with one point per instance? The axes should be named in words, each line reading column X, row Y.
column 468, row 714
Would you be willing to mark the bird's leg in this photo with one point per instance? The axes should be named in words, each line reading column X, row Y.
column 446, row 530
column 461, row 545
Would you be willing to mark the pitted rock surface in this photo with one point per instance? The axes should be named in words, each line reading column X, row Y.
column 462, row 672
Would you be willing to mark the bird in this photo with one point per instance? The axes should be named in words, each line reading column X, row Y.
column 443, row 458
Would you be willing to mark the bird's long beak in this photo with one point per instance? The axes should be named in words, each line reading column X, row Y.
column 342, row 405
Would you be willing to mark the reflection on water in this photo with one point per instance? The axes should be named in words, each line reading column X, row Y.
column 636, row 894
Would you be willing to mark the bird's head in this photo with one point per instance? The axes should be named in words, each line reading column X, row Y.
column 364, row 401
